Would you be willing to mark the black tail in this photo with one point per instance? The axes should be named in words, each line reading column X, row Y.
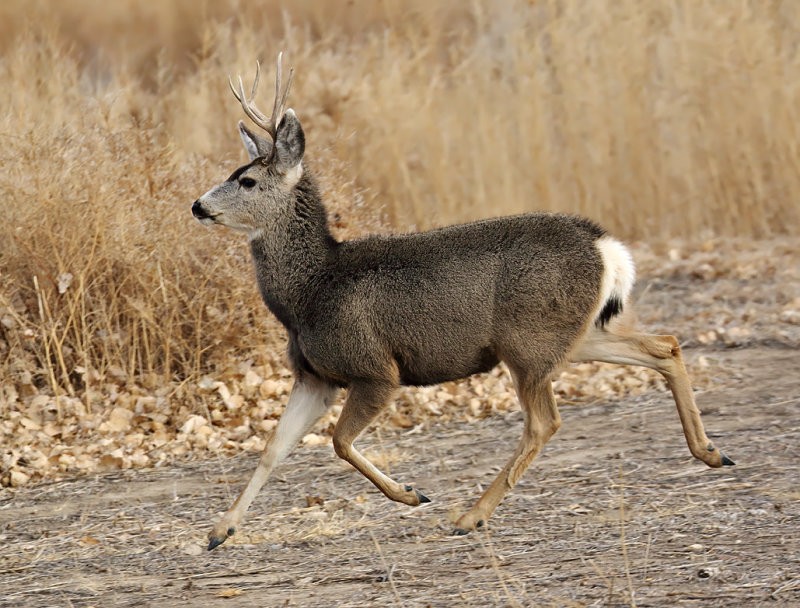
column 612, row 308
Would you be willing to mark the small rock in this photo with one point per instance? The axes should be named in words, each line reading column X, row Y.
column 229, row 592
column 707, row 572
column 64, row 281
column 736, row 336
column 193, row 423
column 18, row 478
column 695, row 548
column 705, row 272
column 29, row 424
column 193, row 549
column 252, row 379
column 270, row 389
column 790, row 316
column 267, row 424
column 313, row 439
column 120, row 419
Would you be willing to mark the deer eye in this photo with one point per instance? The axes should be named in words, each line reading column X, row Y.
column 247, row 182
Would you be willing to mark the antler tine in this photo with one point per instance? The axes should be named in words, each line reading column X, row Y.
column 255, row 82
column 286, row 92
column 278, row 75
column 249, row 108
column 279, row 107
column 270, row 125
column 255, row 114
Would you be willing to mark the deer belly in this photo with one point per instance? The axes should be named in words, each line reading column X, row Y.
column 421, row 369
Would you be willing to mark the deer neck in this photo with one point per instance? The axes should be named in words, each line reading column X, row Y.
column 292, row 252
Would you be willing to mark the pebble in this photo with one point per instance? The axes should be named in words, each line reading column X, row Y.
column 193, row 549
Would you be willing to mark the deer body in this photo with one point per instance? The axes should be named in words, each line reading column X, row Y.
column 370, row 314
column 434, row 306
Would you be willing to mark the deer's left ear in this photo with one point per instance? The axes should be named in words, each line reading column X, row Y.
column 290, row 143
column 254, row 144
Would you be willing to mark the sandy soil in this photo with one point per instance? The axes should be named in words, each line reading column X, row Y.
column 320, row 535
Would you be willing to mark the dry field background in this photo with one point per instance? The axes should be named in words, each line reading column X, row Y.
column 131, row 337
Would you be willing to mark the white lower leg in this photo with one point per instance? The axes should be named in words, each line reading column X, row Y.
column 308, row 401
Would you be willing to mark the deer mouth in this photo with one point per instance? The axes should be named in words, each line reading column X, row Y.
column 201, row 214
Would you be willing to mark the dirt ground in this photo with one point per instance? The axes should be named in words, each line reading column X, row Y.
column 320, row 535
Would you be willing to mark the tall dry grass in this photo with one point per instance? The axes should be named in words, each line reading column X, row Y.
column 658, row 118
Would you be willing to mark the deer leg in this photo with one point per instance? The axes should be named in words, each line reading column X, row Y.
column 308, row 401
column 364, row 401
column 542, row 420
column 663, row 354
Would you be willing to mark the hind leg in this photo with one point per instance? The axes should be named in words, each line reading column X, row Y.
column 542, row 420
column 662, row 354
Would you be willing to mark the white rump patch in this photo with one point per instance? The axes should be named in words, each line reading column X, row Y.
column 619, row 272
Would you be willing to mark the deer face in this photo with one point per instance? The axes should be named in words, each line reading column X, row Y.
column 257, row 192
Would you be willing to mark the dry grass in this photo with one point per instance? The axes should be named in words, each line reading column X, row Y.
column 657, row 118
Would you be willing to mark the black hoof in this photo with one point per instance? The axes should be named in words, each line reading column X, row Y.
column 727, row 462
column 421, row 496
column 214, row 542
column 460, row 532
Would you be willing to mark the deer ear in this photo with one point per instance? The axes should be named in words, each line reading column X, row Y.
column 254, row 144
column 290, row 143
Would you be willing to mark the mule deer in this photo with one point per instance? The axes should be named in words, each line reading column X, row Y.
column 370, row 314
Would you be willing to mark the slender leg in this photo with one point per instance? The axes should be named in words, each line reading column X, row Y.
column 662, row 354
column 364, row 401
column 542, row 420
column 308, row 401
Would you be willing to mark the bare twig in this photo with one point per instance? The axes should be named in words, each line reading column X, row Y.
column 389, row 571
column 622, row 537
column 496, row 567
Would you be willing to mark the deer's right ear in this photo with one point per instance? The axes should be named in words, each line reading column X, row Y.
column 254, row 144
column 290, row 143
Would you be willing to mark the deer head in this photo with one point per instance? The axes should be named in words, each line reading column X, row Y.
column 257, row 191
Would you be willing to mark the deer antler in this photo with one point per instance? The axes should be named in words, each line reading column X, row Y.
column 270, row 125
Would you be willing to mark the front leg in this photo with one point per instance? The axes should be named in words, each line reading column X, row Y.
column 308, row 401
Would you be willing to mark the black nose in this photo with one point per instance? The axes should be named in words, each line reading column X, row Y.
column 198, row 211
